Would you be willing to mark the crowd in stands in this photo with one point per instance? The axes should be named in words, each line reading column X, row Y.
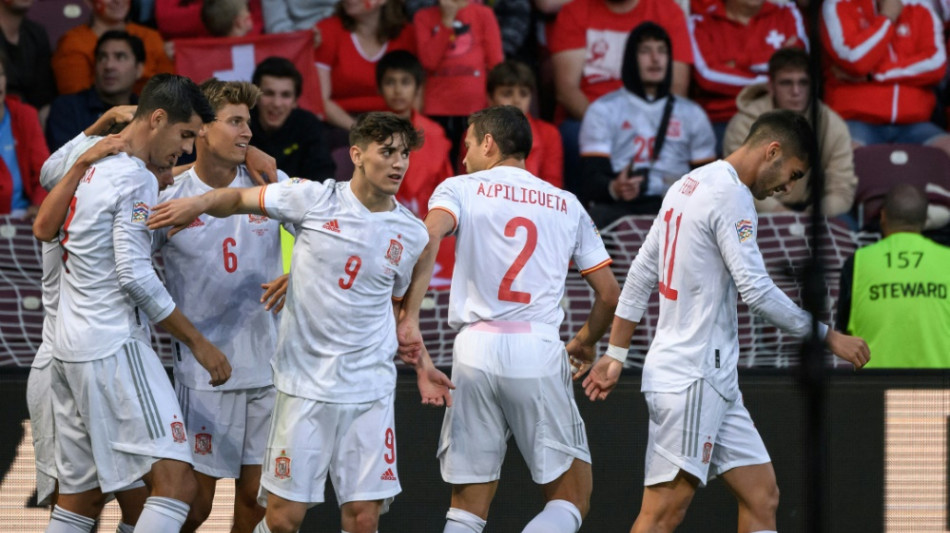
column 624, row 96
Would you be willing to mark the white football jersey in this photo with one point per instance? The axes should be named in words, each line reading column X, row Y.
column 702, row 251
column 337, row 337
column 109, row 289
column 214, row 270
column 623, row 126
column 516, row 238
column 52, row 261
column 60, row 161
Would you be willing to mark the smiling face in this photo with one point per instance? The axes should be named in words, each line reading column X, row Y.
column 381, row 165
column 278, row 99
column 228, row 136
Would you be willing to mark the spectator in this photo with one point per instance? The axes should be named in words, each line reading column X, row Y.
column 22, row 153
column 723, row 66
column 120, row 58
column 885, row 60
column 226, row 18
column 399, row 75
column 894, row 292
column 181, row 19
column 512, row 83
column 291, row 15
column 789, row 87
column 636, row 141
column 295, row 137
column 26, row 46
column 459, row 42
column 513, row 17
column 351, row 42
column 74, row 61
column 587, row 45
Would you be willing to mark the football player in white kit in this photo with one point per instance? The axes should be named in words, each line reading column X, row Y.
column 516, row 237
column 334, row 372
column 214, row 270
column 702, row 251
column 117, row 419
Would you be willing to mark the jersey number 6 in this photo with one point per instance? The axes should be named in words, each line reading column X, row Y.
column 511, row 229
column 230, row 258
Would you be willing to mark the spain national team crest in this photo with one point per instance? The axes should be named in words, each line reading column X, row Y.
column 139, row 212
column 707, row 452
column 675, row 129
column 282, row 466
column 178, row 432
column 203, row 443
column 394, row 253
column 744, row 229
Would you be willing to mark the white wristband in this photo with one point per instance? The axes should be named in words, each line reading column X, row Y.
column 618, row 353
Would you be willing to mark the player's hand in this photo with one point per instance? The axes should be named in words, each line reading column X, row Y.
column 434, row 386
column 602, row 378
column 852, row 349
column 580, row 356
column 410, row 341
column 120, row 114
column 626, row 187
column 261, row 166
column 177, row 214
column 317, row 37
column 109, row 145
column 275, row 293
column 210, row 357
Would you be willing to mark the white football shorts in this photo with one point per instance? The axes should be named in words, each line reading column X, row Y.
column 40, row 403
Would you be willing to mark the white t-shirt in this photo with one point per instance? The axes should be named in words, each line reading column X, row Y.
column 49, row 284
column 107, row 271
column 516, row 238
column 623, row 126
column 702, row 250
column 337, row 337
column 214, row 270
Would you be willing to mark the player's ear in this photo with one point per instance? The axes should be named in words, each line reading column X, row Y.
column 773, row 151
column 157, row 118
column 356, row 155
column 487, row 143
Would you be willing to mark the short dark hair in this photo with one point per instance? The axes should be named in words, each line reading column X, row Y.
column 218, row 16
column 177, row 95
column 788, row 58
column 278, row 67
column 906, row 207
column 510, row 73
column 138, row 49
column 381, row 126
column 400, row 60
column 508, row 127
column 789, row 128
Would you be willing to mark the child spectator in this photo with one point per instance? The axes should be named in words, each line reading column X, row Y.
column 459, row 42
column 512, row 83
column 352, row 41
column 226, row 18
column 182, row 19
column 74, row 62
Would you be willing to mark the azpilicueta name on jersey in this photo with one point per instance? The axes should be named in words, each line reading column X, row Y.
column 520, row 195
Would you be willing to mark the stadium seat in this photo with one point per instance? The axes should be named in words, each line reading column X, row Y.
column 344, row 165
column 880, row 167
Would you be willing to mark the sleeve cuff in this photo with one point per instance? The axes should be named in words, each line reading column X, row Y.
column 629, row 311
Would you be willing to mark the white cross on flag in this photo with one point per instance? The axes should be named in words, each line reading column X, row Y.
column 234, row 59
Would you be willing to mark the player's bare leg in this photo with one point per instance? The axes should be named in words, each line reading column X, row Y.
column 757, row 493
column 664, row 504
column 568, row 501
column 201, row 504
column 470, row 504
column 361, row 517
column 247, row 512
column 172, row 488
column 282, row 516
column 87, row 503
column 131, row 503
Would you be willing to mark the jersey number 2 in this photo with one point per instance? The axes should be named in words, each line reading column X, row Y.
column 669, row 256
column 511, row 229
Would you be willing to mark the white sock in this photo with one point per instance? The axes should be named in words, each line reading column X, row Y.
column 124, row 528
column 262, row 527
column 162, row 515
column 558, row 516
column 459, row 521
column 63, row 521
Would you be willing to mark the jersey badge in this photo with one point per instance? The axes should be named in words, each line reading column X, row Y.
column 688, row 186
column 282, row 466
column 707, row 452
column 196, row 223
column 394, row 253
column 594, row 226
column 257, row 219
column 674, row 130
column 744, row 229
column 178, row 432
column 388, row 475
column 333, row 226
column 294, row 181
column 203, row 443
column 139, row 212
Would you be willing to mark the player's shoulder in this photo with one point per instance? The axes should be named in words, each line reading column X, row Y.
column 409, row 219
column 123, row 169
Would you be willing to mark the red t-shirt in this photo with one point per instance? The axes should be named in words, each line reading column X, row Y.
column 428, row 166
column 352, row 72
column 588, row 24
column 182, row 20
column 457, row 60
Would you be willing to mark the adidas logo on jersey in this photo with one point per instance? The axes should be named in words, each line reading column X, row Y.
column 626, row 125
column 333, row 226
column 388, row 475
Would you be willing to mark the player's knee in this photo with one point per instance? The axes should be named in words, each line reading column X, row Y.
column 283, row 523
column 361, row 517
column 200, row 509
column 174, row 479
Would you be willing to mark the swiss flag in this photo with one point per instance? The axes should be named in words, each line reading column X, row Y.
column 234, row 59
